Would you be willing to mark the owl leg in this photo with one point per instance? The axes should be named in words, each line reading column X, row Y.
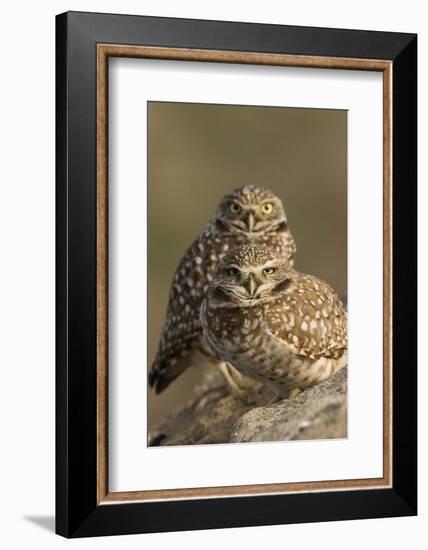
column 226, row 371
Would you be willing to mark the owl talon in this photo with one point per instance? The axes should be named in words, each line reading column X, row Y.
column 294, row 393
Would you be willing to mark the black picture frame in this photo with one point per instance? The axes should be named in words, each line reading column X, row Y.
column 77, row 512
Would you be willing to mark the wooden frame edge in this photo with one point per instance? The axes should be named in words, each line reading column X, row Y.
column 387, row 273
column 104, row 51
column 102, row 274
column 241, row 57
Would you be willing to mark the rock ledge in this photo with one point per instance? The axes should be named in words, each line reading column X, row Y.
column 214, row 415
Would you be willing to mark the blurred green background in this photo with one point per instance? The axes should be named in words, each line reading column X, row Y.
column 197, row 153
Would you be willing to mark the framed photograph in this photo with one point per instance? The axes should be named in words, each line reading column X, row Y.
column 236, row 274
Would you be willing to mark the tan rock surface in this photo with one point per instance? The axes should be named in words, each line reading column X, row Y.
column 214, row 415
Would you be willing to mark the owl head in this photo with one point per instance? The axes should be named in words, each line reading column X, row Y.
column 251, row 209
column 251, row 273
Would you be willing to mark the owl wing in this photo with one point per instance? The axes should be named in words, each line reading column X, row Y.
column 288, row 244
column 291, row 246
column 182, row 330
column 310, row 318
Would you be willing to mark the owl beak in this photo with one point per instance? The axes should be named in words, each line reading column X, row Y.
column 251, row 220
column 250, row 286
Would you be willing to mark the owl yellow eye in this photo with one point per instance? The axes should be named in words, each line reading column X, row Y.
column 232, row 271
column 267, row 208
column 234, row 207
column 269, row 270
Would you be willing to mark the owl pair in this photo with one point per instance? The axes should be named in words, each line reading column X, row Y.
column 236, row 300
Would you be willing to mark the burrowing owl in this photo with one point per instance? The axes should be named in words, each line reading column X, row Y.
column 247, row 215
column 280, row 327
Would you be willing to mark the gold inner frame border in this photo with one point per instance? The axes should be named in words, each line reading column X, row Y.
column 104, row 52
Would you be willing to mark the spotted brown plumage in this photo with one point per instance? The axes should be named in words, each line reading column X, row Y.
column 247, row 215
column 276, row 325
